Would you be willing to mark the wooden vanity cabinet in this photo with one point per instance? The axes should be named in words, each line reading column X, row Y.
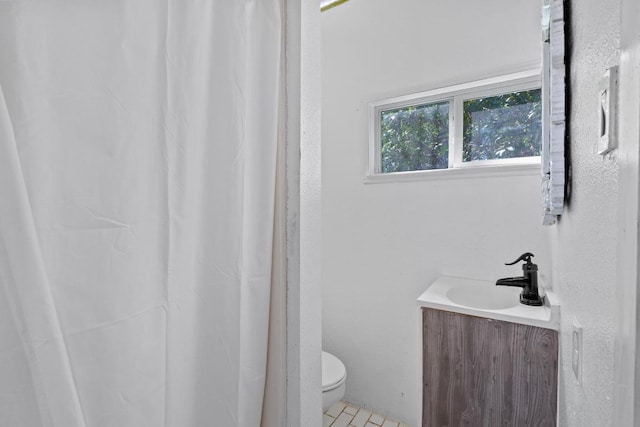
column 486, row 372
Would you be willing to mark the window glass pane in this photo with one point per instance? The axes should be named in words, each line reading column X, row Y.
column 502, row 127
column 415, row 138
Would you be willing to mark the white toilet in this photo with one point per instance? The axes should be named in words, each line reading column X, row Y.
column 334, row 376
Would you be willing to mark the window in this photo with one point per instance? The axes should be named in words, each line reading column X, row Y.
column 494, row 122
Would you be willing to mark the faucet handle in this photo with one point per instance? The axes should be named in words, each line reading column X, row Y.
column 524, row 257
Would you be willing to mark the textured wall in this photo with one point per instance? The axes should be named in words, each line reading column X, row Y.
column 584, row 242
column 384, row 243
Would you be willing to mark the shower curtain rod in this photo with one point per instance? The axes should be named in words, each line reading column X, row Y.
column 328, row 4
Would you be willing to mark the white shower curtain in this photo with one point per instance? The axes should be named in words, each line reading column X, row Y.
column 137, row 177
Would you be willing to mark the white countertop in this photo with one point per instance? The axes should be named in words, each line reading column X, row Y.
column 546, row 316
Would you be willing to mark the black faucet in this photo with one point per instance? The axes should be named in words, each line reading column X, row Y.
column 528, row 282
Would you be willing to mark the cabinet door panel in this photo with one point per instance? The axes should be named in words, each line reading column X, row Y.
column 485, row 372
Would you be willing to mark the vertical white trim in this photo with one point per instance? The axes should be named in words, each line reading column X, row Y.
column 302, row 50
column 626, row 404
column 374, row 138
column 292, row 154
column 458, row 131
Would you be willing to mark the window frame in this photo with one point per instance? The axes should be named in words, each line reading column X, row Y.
column 455, row 95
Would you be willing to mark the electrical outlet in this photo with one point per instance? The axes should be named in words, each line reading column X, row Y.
column 576, row 353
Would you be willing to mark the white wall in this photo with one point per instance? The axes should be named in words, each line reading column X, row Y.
column 585, row 242
column 384, row 243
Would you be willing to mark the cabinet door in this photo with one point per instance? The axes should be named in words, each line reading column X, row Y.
column 485, row 372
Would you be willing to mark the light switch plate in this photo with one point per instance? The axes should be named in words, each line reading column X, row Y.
column 576, row 353
column 608, row 111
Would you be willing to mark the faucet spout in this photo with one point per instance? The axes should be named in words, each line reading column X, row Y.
column 520, row 282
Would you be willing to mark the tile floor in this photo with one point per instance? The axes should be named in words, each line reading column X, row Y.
column 343, row 414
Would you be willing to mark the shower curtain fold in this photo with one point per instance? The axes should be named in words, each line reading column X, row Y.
column 28, row 304
column 138, row 145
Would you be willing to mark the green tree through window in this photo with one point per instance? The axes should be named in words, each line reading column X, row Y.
column 415, row 138
column 502, row 127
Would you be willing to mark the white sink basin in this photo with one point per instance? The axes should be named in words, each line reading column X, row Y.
column 484, row 299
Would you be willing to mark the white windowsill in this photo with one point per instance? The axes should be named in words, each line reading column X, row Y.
column 530, row 169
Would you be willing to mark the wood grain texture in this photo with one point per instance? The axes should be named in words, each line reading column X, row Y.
column 485, row 372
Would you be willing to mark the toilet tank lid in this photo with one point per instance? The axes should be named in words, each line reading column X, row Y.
column 333, row 371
